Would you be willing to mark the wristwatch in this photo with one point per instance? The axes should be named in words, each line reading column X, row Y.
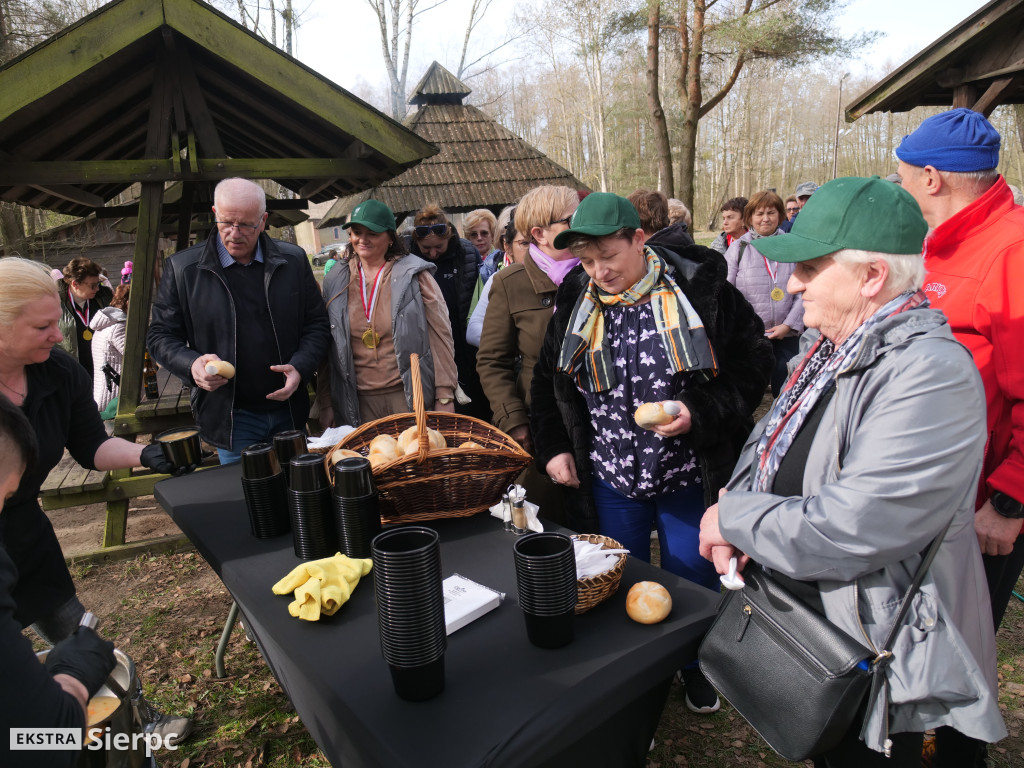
column 1007, row 506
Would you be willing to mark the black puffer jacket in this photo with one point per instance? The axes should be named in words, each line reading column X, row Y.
column 721, row 408
column 193, row 315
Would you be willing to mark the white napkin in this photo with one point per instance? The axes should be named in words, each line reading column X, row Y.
column 516, row 492
column 330, row 437
column 592, row 559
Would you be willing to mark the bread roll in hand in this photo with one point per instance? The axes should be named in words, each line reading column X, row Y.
column 647, row 602
column 650, row 415
column 221, row 368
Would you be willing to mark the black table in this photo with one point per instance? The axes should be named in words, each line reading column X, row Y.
column 594, row 702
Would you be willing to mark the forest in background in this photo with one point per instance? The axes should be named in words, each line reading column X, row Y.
column 573, row 79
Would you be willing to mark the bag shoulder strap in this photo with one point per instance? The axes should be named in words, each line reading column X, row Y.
column 915, row 584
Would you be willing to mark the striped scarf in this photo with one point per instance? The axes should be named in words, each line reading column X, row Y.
column 813, row 376
column 585, row 354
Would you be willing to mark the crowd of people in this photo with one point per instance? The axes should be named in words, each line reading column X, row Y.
column 898, row 409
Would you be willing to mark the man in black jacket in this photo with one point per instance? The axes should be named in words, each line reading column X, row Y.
column 241, row 297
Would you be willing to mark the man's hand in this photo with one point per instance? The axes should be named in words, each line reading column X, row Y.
column 996, row 534
column 779, row 331
column 521, row 435
column 562, row 470
column 292, row 379
column 680, row 425
column 204, row 380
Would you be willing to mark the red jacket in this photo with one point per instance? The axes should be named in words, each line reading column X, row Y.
column 975, row 275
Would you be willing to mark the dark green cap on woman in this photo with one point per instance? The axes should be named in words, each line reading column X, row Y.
column 372, row 214
column 863, row 214
column 599, row 214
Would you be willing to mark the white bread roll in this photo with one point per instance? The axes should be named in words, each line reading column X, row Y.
column 221, row 368
column 647, row 602
column 652, row 414
column 435, row 440
column 385, row 444
column 344, row 453
column 379, row 460
column 470, row 444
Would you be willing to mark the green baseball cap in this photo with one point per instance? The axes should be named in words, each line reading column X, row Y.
column 599, row 214
column 866, row 214
column 372, row 214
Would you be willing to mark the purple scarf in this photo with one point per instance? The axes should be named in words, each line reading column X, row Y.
column 556, row 270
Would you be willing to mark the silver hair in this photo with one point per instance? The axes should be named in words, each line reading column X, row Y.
column 906, row 271
column 973, row 183
column 240, row 191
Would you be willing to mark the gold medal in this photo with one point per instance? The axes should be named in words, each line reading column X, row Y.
column 370, row 338
column 87, row 334
column 777, row 294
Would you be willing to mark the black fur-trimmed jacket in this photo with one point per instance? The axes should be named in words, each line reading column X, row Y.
column 720, row 408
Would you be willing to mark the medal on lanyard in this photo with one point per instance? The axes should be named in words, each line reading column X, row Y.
column 86, row 333
column 370, row 337
column 777, row 293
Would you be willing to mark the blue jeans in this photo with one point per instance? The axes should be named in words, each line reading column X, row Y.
column 254, row 427
column 677, row 517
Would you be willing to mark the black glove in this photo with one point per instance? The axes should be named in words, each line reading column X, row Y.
column 85, row 656
column 153, row 458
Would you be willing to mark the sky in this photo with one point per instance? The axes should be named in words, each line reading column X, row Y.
column 340, row 39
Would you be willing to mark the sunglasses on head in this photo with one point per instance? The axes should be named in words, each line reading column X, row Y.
column 425, row 230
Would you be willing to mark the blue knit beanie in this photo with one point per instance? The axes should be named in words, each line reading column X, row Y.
column 960, row 140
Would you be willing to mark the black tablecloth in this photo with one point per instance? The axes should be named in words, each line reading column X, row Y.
column 506, row 703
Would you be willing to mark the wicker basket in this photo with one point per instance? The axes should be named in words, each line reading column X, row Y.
column 444, row 482
column 594, row 590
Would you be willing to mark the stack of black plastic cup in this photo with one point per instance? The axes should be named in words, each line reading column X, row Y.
column 410, row 609
column 264, row 486
column 309, row 506
column 546, row 579
column 356, row 509
column 289, row 444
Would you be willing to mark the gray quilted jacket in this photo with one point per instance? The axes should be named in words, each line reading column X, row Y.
column 747, row 271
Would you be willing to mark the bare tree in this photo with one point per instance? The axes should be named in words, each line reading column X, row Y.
column 666, row 183
column 734, row 34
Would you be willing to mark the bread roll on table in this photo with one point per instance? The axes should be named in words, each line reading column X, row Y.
column 647, row 602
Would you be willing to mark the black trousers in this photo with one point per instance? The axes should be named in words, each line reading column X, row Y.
column 952, row 750
column 1002, row 572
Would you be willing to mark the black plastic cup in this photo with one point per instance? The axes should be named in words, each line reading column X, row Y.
column 356, row 522
column 260, row 460
column 312, row 529
column 546, row 581
column 267, row 503
column 307, row 473
column 288, row 444
column 353, row 477
column 418, row 683
column 410, row 608
column 550, row 631
column 181, row 446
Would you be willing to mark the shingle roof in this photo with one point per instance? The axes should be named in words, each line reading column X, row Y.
column 481, row 163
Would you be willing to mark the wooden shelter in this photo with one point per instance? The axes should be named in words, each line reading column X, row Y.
column 977, row 64
column 481, row 163
column 159, row 91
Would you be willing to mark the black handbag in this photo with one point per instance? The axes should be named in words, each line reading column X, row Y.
column 794, row 676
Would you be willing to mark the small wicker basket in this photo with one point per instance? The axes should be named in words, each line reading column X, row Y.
column 594, row 590
column 443, row 482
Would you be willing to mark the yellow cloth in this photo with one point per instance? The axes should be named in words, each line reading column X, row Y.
column 322, row 586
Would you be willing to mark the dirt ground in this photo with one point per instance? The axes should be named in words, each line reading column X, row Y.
column 80, row 529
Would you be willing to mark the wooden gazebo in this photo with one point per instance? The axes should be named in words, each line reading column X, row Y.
column 978, row 64
column 159, row 91
column 481, row 164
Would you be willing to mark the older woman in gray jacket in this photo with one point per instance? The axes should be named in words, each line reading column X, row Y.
column 873, row 446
